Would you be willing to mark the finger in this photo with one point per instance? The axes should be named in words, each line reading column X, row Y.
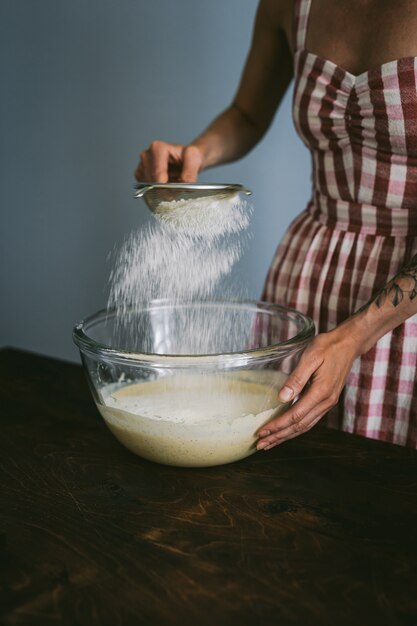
column 292, row 435
column 140, row 173
column 191, row 164
column 298, row 379
column 159, row 154
column 318, row 395
column 296, row 427
column 145, row 164
column 293, row 416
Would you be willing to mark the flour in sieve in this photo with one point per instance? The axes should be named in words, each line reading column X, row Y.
column 206, row 217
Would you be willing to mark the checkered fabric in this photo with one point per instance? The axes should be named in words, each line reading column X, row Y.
column 360, row 226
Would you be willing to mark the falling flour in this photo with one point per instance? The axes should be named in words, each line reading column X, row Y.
column 186, row 254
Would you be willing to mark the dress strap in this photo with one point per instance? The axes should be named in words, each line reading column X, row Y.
column 302, row 12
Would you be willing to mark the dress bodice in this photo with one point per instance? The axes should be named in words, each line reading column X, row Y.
column 361, row 130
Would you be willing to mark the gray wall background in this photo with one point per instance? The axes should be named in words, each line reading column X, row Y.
column 86, row 85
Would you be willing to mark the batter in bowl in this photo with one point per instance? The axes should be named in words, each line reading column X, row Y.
column 193, row 420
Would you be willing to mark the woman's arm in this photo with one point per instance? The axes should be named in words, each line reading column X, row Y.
column 328, row 359
column 265, row 78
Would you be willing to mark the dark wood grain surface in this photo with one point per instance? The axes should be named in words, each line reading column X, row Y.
column 320, row 531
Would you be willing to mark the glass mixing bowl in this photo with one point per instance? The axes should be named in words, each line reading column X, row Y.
column 190, row 384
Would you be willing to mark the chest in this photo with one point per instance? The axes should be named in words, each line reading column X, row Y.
column 375, row 111
column 360, row 34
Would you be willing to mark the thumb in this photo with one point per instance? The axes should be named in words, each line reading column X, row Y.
column 192, row 160
column 298, row 379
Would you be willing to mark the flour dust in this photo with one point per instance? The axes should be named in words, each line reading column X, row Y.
column 185, row 256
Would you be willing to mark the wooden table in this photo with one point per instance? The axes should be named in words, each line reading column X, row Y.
column 320, row 531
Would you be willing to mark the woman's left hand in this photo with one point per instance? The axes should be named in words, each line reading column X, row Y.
column 324, row 364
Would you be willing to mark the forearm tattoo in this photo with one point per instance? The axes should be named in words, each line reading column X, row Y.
column 405, row 282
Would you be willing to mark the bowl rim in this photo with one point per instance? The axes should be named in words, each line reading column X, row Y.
column 150, row 359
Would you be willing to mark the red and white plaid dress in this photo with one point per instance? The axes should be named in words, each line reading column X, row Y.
column 360, row 226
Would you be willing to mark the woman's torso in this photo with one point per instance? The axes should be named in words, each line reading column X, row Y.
column 360, row 124
column 355, row 106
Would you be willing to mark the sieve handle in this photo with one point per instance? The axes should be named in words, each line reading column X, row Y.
column 141, row 189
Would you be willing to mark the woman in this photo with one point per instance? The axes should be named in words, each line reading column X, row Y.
column 350, row 259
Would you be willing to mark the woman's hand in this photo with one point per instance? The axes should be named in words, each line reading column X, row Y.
column 325, row 365
column 164, row 162
column 328, row 359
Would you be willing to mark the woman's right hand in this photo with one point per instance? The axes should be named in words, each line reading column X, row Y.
column 166, row 162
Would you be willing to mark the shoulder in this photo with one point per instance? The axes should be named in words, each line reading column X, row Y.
column 276, row 10
column 276, row 15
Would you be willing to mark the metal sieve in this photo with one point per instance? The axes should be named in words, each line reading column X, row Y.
column 155, row 193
